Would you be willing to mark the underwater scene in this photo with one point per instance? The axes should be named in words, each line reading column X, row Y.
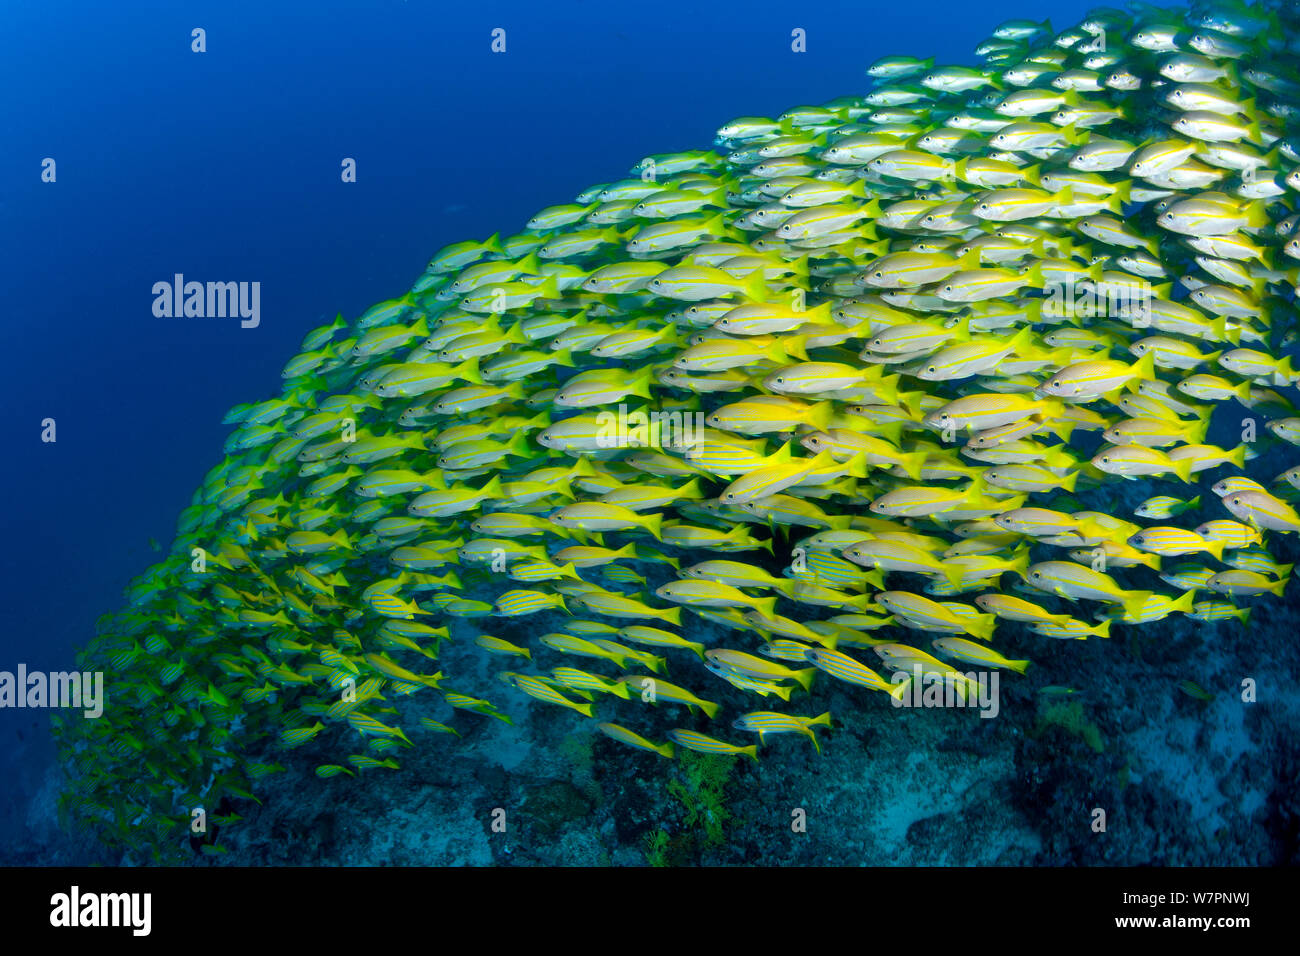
column 668, row 437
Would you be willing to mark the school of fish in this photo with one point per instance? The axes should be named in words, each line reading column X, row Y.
column 806, row 409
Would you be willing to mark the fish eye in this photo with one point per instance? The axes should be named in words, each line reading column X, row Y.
column 1038, row 574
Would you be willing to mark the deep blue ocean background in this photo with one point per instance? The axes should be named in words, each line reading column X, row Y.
column 225, row 165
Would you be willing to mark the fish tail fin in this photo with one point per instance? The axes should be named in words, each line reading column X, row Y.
column 1058, row 457
column 529, row 264
column 787, row 586
column 982, row 626
column 819, row 314
column 1102, row 629
column 653, row 523
column 805, row 677
column 1019, row 562
column 1197, row 429
column 887, row 389
column 813, row 737
column 1182, row 468
column 820, row 415
column 1135, row 601
column 519, row 446
column 710, row 709
column 858, row 466
column 1053, row 408
column 1224, row 332
column 792, row 346
column 912, row 464
column 673, row 616
column 1061, row 430
column 691, row 489
column 1145, row 367
column 1019, row 666
column 1257, row 214
column 1022, row 341
column 469, row 371
column 961, row 331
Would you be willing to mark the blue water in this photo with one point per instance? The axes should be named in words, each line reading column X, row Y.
column 225, row 165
